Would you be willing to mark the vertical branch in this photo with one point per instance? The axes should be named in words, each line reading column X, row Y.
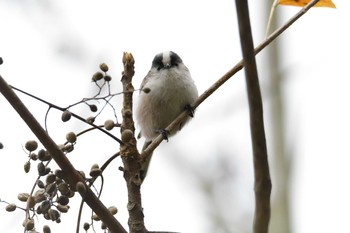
column 262, row 186
column 72, row 175
column 128, row 150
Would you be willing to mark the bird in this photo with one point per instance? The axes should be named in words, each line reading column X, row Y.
column 166, row 91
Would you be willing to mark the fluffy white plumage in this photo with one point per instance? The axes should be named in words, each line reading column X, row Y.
column 165, row 92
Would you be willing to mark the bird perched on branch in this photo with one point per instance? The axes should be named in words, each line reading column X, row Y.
column 166, row 91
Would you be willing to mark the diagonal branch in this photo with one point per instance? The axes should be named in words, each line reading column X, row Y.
column 73, row 177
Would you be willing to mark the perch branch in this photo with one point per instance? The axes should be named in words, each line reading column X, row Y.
column 73, row 177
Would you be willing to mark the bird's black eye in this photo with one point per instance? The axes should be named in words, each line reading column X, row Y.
column 157, row 62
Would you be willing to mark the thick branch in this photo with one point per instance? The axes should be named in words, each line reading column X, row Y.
column 73, row 177
column 129, row 152
column 262, row 186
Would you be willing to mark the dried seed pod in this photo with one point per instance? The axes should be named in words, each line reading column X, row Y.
column 66, row 115
column 95, row 217
column 71, row 137
column 113, row 210
column 86, row 226
column 54, row 214
column 80, row 187
column 50, row 178
column 44, row 155
column 33, row 156
column 41, row 169
column 51, row 188
column 40, row 196
column 31, row 145
column 63, row 188
column 70, row 194
column 95, row 171
column 11, row 207
column 46, row 229
column 40, row 184
column 90, row 119
column 63, row 200
column 27, row 167
column 59, row 173
column 82, row 173
column 23, row 196
column 97, row 76
column 109, row 124
column 29, row 224
column 68, row 148
column 93, row 108
column 127, row 135
column 104, row 67
column 62, row 208
column 45, row 206
column 30, row 202
column 107, row 78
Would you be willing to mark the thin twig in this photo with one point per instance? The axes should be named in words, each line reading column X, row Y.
column 226, row 77
column 51, row 105
column 72, row 175
column 262, row 180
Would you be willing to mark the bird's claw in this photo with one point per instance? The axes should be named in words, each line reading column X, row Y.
column 190, row 110
column 165, row 133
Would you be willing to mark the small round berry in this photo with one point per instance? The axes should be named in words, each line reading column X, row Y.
column 23, row 197
column 27, row 167
column 93, row 108
column 104, row 67
column 127, row 135
column 66, row 115
column 97, row 76
column 71, row 137
column 113, row 210
column 80, row 186
column 86, row 226
column 46, row 229
column 109, row 124
column 107, row 78
column 29, row 224
column 63, row 200
column 11, row 207
column 31, row 145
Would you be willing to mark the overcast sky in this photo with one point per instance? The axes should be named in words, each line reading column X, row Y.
column 51, row 49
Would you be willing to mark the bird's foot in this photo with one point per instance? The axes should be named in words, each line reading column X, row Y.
column 164, row 132
column 190, row 110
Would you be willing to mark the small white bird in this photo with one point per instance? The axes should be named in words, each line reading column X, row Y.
column 166, row 91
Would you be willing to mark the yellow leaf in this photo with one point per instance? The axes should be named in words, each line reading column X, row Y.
column 301, row 3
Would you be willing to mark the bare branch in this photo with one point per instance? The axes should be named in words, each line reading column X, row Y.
column 262, row 186
column 129, row 152
column 73, row 177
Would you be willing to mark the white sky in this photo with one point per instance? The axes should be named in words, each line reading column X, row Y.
column 51, row 49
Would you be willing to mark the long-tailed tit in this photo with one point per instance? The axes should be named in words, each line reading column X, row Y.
column 165, row 92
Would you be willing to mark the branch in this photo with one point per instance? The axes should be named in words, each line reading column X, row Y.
column 262, row 186
column 73, row 177
column 227, row 76
column 129, row 152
